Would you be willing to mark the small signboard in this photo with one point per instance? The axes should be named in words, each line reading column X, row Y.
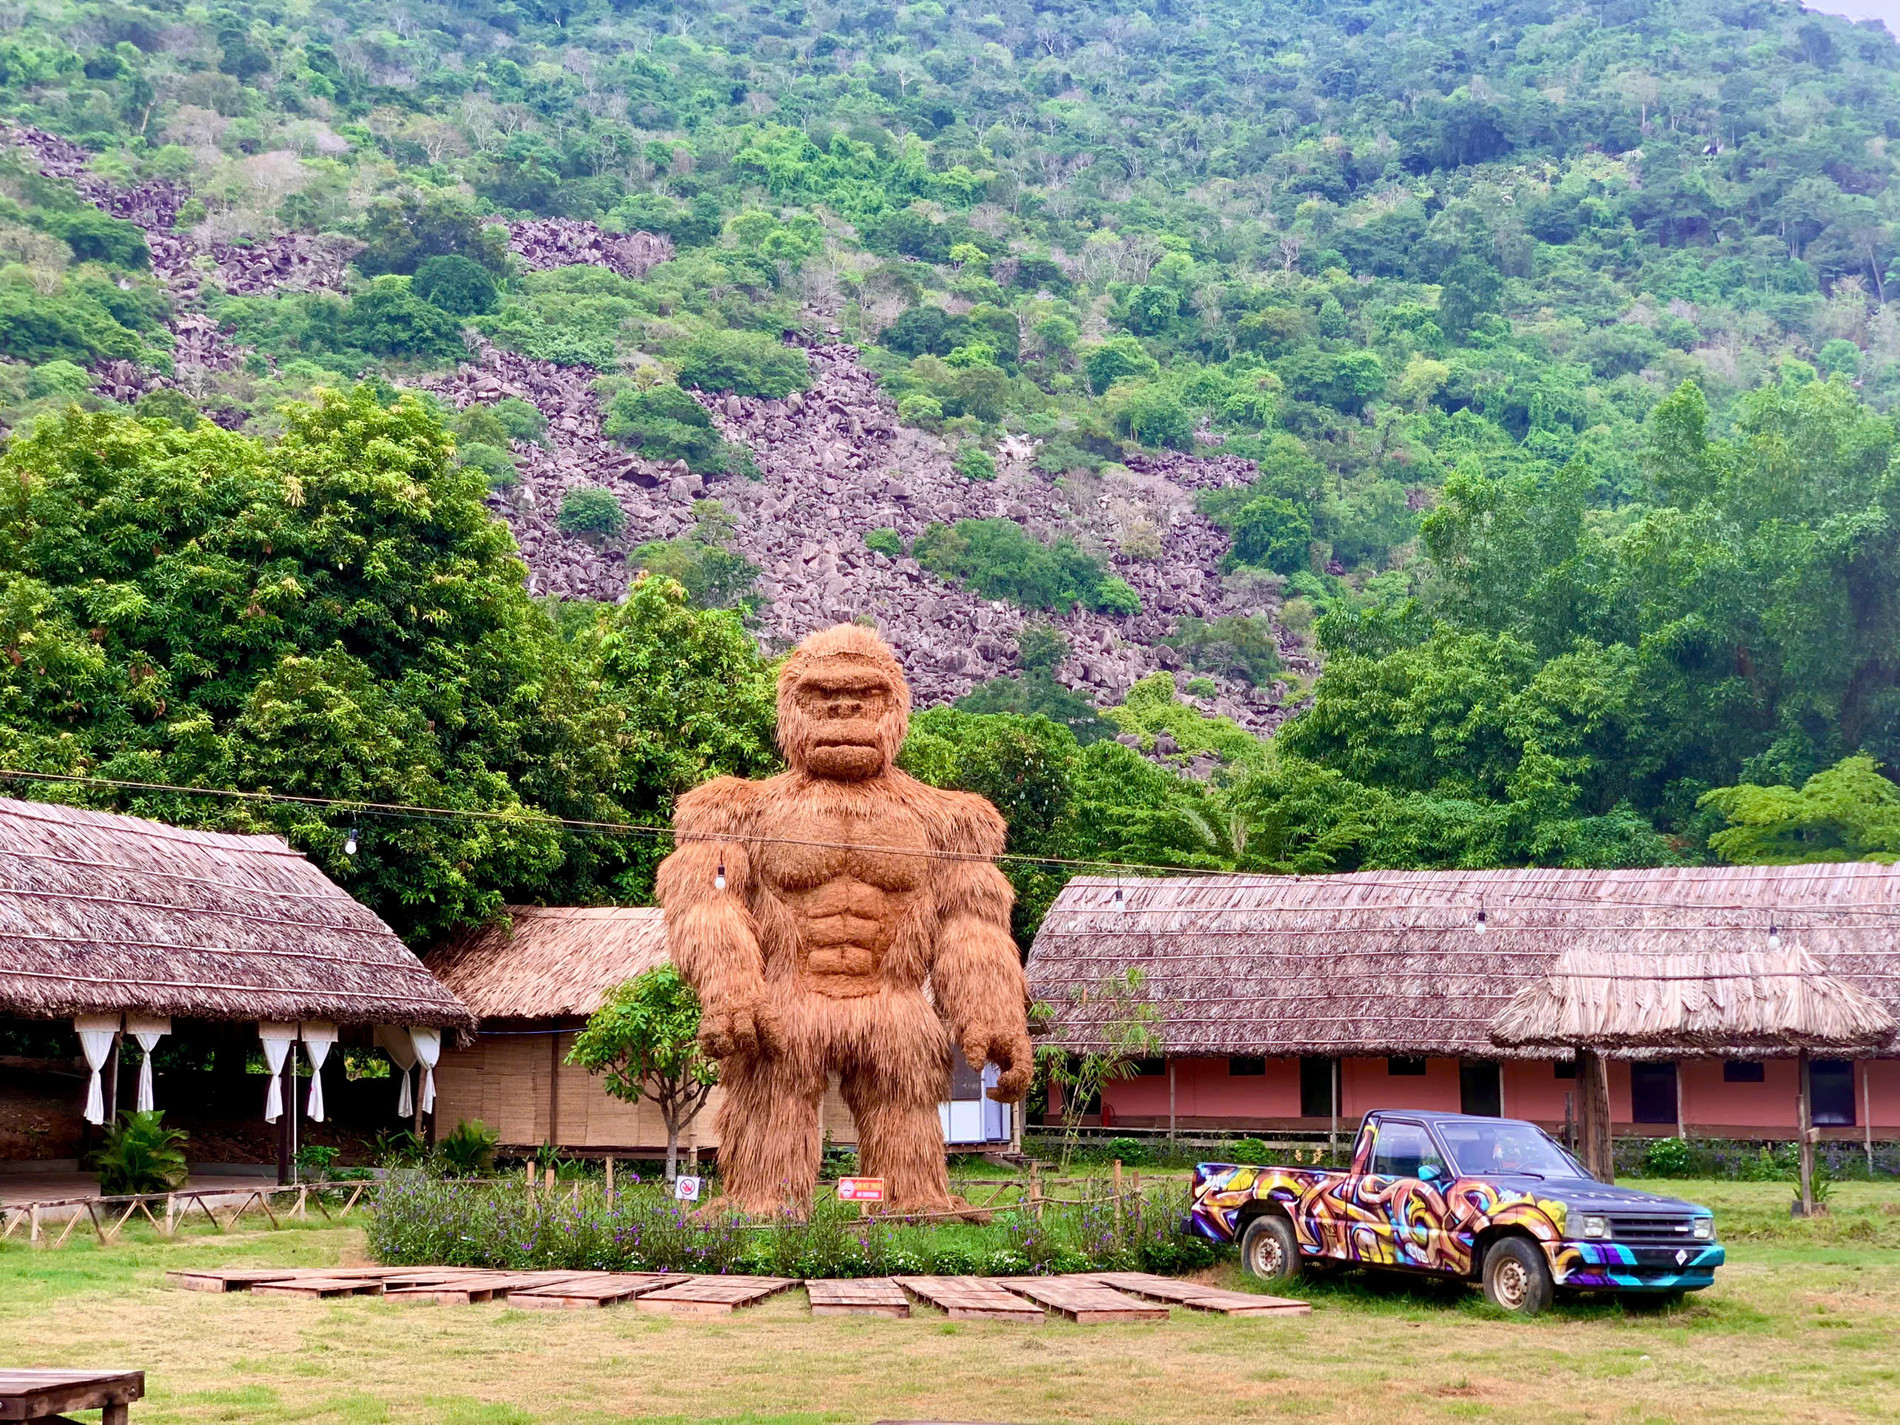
column 860, row 1189
column 686, row 1189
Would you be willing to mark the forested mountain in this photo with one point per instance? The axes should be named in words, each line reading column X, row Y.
column 1487, row 401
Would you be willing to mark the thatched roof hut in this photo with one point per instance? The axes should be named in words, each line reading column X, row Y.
column 1400, row 963
column 104, row 914
column 1710, row 1000
column 550, row 962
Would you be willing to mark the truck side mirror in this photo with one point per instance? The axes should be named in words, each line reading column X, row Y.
column 1426, row 1172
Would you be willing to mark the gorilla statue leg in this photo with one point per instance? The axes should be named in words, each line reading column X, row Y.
column 893, row 1096
column 769, row 1142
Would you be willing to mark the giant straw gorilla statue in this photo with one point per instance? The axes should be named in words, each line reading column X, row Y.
column 794, row 910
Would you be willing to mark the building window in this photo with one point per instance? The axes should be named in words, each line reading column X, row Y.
column 1831, row 1084
column 1150, row 1068
column 1399, row 1067
column 1480, row 1090
column 1564, row 1069
column 1245, row 1066
column 1316, row 1088
column 1652, row 1092
column 1744, row 1071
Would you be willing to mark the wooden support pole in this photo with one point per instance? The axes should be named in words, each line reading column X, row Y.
column 33, row 1225
column 1805, row 1117
column 1035, row 1190
column 1332, row 1137
column 528, row 1167
column 1593, row 1113
column 1170, row 1099
column 1118, row 1188
column 554, row 1089
column 610, row 1180
column 289, row 1091
column 1867, row 1111
column 1682, row 1119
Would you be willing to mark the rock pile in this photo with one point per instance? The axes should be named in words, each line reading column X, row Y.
column 547, row 243
column 292, row 262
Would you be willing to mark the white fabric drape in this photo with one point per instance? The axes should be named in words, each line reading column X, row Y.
column 96, row 1033
column 395, row 1042
column 318, row 1036
column 277, row 1039
column 148, row 1031
column 428, row 1044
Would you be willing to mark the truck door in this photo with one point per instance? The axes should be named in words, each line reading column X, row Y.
column 1399, row 1217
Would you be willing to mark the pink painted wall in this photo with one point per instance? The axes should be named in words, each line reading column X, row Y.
column 1206, row 1092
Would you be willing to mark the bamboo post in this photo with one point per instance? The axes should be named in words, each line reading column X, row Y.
column 1867, row 1111
column 610, row 1180
column 33, row 1225
column 171, row 1214
column 1805, row 1118
column 1118, row 1187
column 529, row 1168
column 1171, row 1100
column 1035, row 1191
column 551, row 1180
column 303, row 1201
column 1332, row 1136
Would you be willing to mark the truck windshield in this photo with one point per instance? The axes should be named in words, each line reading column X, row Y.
column 1501, row 1146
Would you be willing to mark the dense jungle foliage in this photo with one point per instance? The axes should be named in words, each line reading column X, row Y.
column 1560, row 337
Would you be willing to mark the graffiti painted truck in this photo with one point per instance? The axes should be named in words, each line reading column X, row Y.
column 1491, row 1200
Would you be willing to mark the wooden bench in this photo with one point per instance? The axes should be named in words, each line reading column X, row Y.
column 30, row 1394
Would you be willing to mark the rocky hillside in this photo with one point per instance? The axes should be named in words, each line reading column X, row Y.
column 833, row 463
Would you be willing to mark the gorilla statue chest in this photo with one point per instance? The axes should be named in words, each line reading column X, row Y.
column 846, row 904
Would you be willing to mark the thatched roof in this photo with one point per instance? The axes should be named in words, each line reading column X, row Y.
column 1390, row 962
column 549, row 962
column 1698, row 1000
column 103, row 913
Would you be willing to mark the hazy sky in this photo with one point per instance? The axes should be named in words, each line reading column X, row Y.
column 1887, row 11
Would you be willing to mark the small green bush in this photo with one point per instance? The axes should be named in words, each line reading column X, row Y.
column 975, row 463
column 1131, row 1151
column 468, row 1149
column 456, row 285
column 521, row 420
column 169, row 404
column 140, row 1154
column 746, row 363
column 58, row 378
column 998, row 560
column 1201, row 688
column 885, row 542
column 392, row 321
column 494, row 462
column 590, row 510
column 1240, row 645
column 920, row 410
column 1666, row 1158
column 1248, row 1150
column 664, row 423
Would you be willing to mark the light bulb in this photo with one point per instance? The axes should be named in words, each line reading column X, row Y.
column 719, row 877
column 1479, row 925
column 1774, row 937
column 349, row 844
column 1121, row 901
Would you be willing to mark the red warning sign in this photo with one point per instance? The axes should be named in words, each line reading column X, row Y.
column 860, row 1189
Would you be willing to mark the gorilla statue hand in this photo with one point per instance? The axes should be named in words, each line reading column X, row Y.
column 1009, row 1050
column 739, row 1024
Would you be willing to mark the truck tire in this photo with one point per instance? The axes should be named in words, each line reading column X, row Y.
column 1270, row 1250
column 1516, row 1277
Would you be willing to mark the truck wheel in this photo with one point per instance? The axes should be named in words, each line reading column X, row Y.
column 1269, row 1249
column 1516, row 1277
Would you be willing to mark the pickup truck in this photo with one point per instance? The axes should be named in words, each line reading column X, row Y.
column 1491, row 1200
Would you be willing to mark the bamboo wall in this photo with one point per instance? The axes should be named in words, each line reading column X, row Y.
column 505, row 1081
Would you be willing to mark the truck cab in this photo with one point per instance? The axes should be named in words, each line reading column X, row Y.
column 1494, row 1201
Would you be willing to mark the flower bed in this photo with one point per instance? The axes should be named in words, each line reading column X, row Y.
column 420, row 1220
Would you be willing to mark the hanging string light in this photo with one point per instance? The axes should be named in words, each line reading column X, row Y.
column 1479, row 924
column 349, row 843
column 719, row 877
column 1774, row 936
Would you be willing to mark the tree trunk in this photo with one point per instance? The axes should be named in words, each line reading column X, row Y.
column 672, row 1147
column 1805, row 1105
column 1593, row 1111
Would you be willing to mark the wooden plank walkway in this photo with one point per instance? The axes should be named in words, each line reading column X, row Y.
column 29, row 1393
column 319, row 1288
column 1197, row 1296
column 711, row 1296
column 226, row 1278
column 1086, row 1302
column 861, row 1296
column 599, row 1289
column 480, row 1286
column 971, row 1299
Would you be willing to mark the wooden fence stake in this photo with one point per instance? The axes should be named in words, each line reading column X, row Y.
column 33, row 1231
column 171, row 1214
column 1035, row 1189
column 360, row 1187
column 610, row 1180
column 71, row 1223
column 1118, row 1198
column 531, row 1174
column 550, row 1180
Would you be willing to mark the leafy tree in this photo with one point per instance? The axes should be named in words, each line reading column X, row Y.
column 404, row 230
column 645, row 1041
column 999, row 561
column 1270, row 533
column 1119, row 358
column 590, row 510
column 1850, row 812
column 1125, row 1026
column 393, row 321
column 456, row 284
column 746, row 363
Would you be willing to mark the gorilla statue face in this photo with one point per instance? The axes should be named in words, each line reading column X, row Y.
column 843, row 705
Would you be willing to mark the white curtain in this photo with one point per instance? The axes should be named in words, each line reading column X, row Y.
column 148, row 1030
column 318, row 1036
column 277, row 1041
column 428, row 1044
column 395, row 1042
column 96, row 1033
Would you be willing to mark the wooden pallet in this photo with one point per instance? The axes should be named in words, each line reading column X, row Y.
column 1086, row 1302
column 41, row 1394
column 600, row 1289
column 711, row 1296
column 479, row 1286
column 1199, row 1297
column 864, row 1296
column 971, row 1299
column 227, row 1278
column 319, row 1288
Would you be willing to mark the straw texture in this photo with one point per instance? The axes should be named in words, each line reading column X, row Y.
column 549, row 962
column 102, row 914
column 1705, row 1000
column 1390, row 962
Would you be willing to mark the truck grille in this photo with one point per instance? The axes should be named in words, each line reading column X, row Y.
column 1649, row 1229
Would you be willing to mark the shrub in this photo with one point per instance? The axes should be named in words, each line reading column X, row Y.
column 747, row 363
column 469, row 1148
column 140, row 1154
column 393, row 321
column 1249, row 1150
column 1666, row 1158
column 521, row 420
column 918, row 409
column 494, row 462
column 1117, row 359
column 975, row 463
column 664, row 423
column 590, row 510
column 1132, row 1151
column 456, row 285
column 886, row 542
column 58, row 378
column 1270, row 533
column 38, row 328
column 1201, row 688
column 1154, row 417
column 169, row 404
column 999, row 561
column 94, row 236
column 1243, row 646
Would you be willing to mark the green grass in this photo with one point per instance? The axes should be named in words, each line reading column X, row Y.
column 1799, row 1327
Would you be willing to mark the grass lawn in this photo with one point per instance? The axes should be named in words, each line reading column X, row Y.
column 1802, row 1325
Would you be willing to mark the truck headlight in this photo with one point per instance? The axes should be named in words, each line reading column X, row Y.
column 1596, row 1227
column 1702, row 1229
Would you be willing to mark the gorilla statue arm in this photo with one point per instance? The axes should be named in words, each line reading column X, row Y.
column 713, row 937
column 977, row 977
